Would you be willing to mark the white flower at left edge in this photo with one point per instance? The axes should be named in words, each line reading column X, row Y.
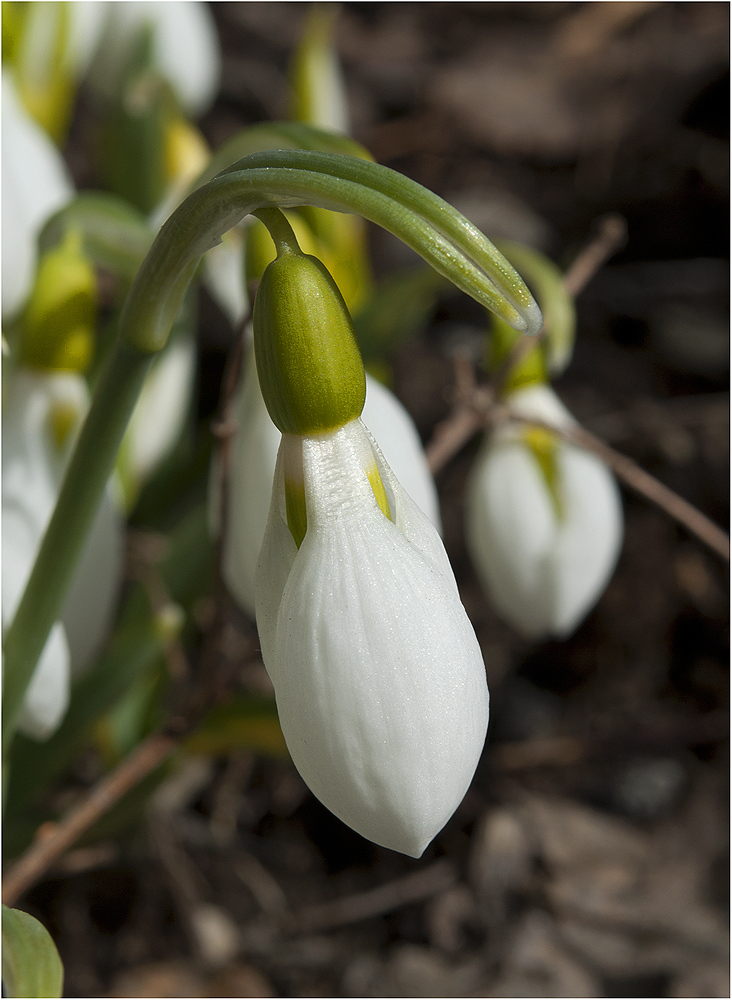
column 379, row 678
column 254, row 455
column 35, row 183
column 41, row 414
column 544, row 551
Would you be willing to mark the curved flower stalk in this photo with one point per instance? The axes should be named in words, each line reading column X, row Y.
column 253, row 464
column 35, row 183
column 544, row 521
column 41, row 414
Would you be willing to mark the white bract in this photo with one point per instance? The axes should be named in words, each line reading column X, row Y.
column 543, row 551
column 253, row 460
column 41, row 414
column 378, row 675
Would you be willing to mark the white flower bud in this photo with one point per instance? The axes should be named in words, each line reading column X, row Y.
column 378, row 675
column 544, row 521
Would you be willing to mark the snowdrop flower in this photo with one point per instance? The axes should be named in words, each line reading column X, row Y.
column 185, row 48
column 253, row 462
column 35, row 183
column 41, row 413
column 544, row 521
column 378, row 676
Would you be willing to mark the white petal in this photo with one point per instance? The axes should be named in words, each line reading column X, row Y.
column 511, row 528
column 33, row 466
column 542, row 573
column 47, row 696
column 589, row 539
column 223, row 275
column 394, row 430
column 160, row 413
column 91, row 599
column 379, row 678
column 252, row 468
column 185, row 44
column 35, row 183
column 253, row 459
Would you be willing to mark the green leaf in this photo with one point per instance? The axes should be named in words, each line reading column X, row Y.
column 31, row 964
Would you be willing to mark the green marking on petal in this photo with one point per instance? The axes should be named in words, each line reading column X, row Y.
column 543, row 445
column 377, row 486
column 297, row 515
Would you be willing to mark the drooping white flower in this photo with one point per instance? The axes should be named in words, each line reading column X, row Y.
column 379, row 679
column 35, row 183
column 544, row 521
column 254, row 455
column 41, row 415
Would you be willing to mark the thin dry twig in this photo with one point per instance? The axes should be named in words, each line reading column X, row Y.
column 54, row 839
column 410, row 888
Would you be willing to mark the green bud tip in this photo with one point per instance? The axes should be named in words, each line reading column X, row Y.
column 308, row 362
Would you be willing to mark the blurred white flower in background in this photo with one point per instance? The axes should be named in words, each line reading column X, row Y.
column 544, row 521
column 42, row 412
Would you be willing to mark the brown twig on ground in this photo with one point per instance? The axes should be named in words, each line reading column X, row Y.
column 410, row 888
column 54, row 839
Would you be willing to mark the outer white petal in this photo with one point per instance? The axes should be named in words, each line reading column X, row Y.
column 542, row 573
column 47, row 696
column 186, row 48
column 590, row 537
column 91, row 600
column 253, row 462
column 379, row 678
column 223, row 274
column 35, row 184
column 250, row 487
column 160, row 413
column 394, row 429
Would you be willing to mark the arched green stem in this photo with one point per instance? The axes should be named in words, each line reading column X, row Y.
column 279, row 178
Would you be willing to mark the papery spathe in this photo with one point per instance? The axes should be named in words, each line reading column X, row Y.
column 543, row 561
column 379, row 679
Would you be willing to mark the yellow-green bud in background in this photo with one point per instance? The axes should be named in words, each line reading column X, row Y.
column 309, row 365
column 57, row 326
